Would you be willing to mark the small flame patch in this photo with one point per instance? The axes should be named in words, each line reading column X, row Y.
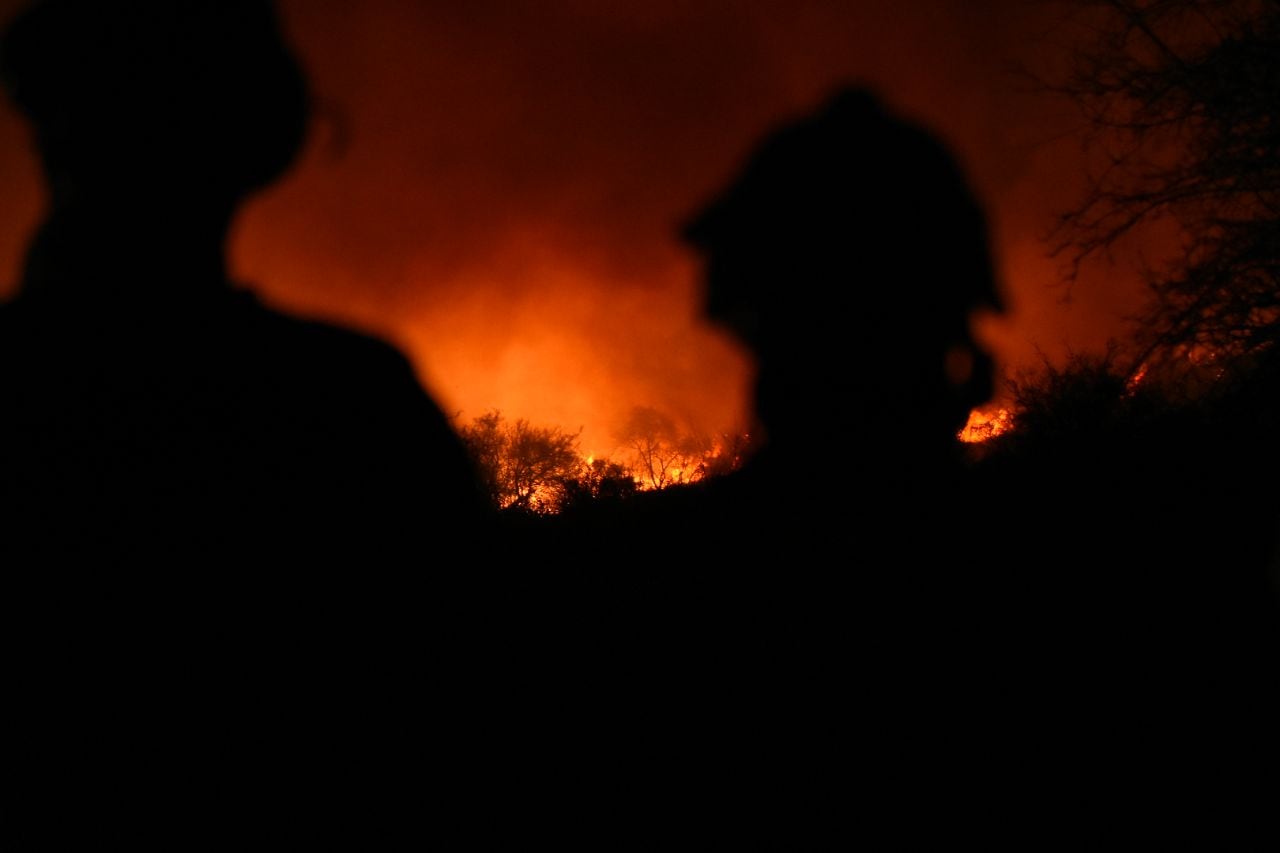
column 985, row 425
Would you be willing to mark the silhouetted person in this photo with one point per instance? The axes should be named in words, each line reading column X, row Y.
column 788, row 629
column 152, row 409
column 936, row 635
column 963, row 635
column 229, row 532
column 849, row 255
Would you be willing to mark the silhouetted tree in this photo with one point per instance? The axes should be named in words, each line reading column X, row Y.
column 486, row 440
column 599, row 480
column 1088, row 401
column 1182, row 98
column 541, row 469
column 662, row 454
column 522, row 467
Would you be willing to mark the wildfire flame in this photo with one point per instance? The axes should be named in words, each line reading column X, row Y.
column 984, row 425
column 1131, row 386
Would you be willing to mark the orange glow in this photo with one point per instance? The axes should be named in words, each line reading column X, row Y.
column 560, row 344
column 1136, row 379
column 985, row 425
column 505, row 208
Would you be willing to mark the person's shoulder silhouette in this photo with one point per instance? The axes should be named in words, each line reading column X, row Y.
column 152, row 409
column 848, row 254
column 229, row 536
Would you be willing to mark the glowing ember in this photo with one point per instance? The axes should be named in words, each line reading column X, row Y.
column 1135, row 380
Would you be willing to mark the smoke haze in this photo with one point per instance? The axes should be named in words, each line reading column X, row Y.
column 497, row 187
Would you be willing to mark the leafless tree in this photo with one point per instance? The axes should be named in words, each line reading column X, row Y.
column 1182, row 104
column 662, row 454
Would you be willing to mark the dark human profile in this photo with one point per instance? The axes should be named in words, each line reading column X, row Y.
column 945, row 633
column 808, row 615
column 153, row 409
column 228, row 533
column 850, row 255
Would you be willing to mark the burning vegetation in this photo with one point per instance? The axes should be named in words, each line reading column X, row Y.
column 985, row 424
column 544, row 470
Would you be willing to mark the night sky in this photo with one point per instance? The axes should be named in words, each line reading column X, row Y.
column 497, row 186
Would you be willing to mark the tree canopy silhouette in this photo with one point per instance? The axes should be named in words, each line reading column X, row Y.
column 522, row 467
column 1182, row 101
column 661, row 453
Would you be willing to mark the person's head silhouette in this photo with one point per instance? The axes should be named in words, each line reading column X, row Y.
column 153, row 120
column 153, row 401
column 849, row 255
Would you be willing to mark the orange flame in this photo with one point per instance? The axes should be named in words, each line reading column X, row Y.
column 985, row 425
column 1131, row 386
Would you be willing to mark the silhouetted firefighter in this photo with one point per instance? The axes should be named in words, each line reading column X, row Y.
column 849, row 255
column 224, row 528
column 755, row 622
